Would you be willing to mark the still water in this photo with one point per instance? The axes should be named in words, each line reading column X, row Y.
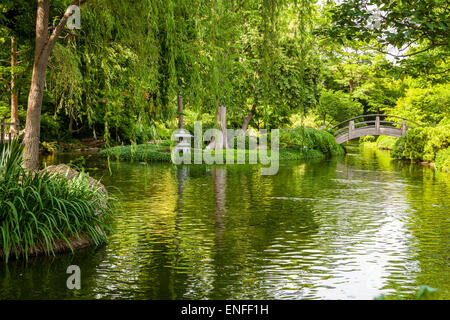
column 345, row 228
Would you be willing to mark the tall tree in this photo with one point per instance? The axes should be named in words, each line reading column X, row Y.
column 43, row 48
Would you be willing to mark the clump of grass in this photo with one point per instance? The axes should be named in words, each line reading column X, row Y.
column 141, row 152
column 308, row 139
column 40, row 212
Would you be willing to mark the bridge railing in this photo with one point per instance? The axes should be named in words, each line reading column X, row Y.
column 378, row 123
column 7, row 136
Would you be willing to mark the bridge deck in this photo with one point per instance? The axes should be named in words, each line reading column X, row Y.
column 369, row 131
column 371, row 127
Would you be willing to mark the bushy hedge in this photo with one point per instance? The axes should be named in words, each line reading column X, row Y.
column 302, row 139
column 40, row 210
column 423, row 143
column 443, row 160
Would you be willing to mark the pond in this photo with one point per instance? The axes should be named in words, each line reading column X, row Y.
column 352, row 227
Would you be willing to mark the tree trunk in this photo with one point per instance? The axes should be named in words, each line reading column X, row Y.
column 247, row 119
column 43, row 48
column 14, row 96
column 221, row 124
column 70, row 123
column 32, row 125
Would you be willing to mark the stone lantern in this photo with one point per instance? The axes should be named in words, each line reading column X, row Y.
column 184, row 141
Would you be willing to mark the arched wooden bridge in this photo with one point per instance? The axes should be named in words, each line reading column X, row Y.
column 377, row 127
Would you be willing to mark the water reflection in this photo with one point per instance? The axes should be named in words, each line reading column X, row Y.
column 352, row 227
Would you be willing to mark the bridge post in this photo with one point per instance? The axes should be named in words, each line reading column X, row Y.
column 404, row 129
column 377, row 126
column 351, row 129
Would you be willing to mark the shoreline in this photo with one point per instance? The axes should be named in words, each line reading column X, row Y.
column 59, row 246
column 374, row 146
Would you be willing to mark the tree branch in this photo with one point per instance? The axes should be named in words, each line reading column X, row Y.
column 57, row 31
column 434, row 45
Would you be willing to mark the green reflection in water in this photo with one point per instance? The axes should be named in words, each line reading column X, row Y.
column 345, row 228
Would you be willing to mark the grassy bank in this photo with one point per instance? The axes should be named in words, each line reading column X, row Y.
column 301, row 143
column 140, row 152
column 44, row 213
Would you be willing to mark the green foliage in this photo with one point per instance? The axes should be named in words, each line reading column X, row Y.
column 120, row 75
column 153, row 153
column 443, row 160
column 385, row 23
column 50, row 147
column 50, row 128
column 142, row 152
column 310, row 139
column 424, row 105
column 338, row 106
column 386, row 142
column 295, row 144
column 399, row 147
column 423, row 143
column 366, row 139
column 78, row 163
column 37, row 209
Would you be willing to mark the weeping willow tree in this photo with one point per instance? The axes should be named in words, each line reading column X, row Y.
column 125, row 71
column 262, row 64
column 140, row 58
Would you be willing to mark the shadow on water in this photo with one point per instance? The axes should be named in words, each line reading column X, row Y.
column 344, row 228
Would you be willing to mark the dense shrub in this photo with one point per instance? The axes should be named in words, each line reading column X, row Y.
column 443, row 160
column 424, row 105
column 438, row 139
column 399, row 147
column 38, row 209
column 310, row 139
column 423, row 143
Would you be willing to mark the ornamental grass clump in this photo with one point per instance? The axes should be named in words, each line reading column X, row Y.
column 44, row 213
column 309, row 139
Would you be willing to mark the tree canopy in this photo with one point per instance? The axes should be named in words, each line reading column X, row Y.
column 119, row 77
